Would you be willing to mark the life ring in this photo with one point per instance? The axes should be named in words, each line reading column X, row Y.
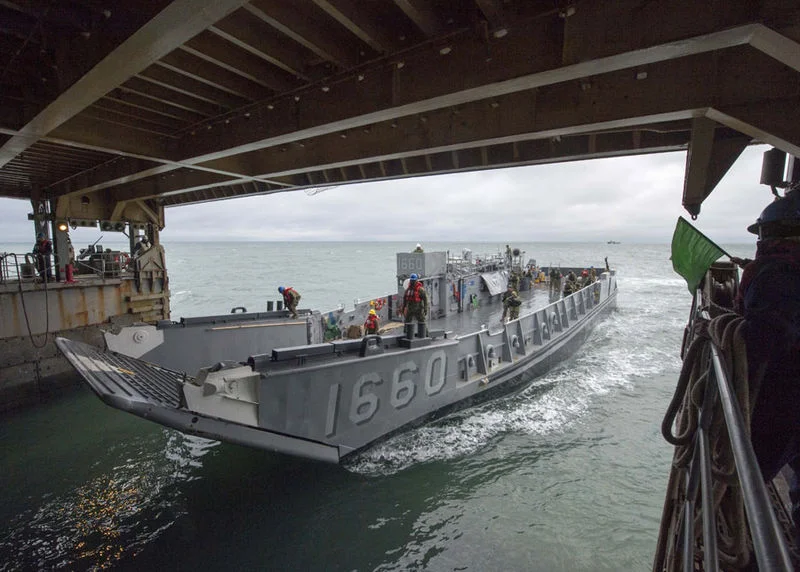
column 379, row 303
column 124, row 260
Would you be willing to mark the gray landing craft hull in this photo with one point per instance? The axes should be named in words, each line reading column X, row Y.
column 327, row 401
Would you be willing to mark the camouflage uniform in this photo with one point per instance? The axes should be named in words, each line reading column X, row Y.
column 555, row 281
column 511, row 304
column 290, row 299
column 415, row 310
column 571, row 285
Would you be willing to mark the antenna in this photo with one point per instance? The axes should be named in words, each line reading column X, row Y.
column 317, row 190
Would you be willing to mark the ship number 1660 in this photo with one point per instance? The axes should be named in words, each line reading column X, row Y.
column 364, row 402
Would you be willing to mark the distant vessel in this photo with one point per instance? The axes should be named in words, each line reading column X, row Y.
column 613, row 242
column 303, row 392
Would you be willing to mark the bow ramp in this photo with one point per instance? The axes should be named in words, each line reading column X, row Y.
column 121, row 381
column 157, row 394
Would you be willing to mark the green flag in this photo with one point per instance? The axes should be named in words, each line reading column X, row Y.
column 692, row 253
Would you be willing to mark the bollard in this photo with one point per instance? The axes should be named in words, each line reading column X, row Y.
column 68, row 270
column 270, row 305
column 279, row 305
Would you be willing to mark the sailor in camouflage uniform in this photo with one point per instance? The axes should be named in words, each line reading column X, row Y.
column 511, row 304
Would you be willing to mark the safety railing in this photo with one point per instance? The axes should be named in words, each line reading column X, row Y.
column 768, row 540
column 28, row 267
column 31, row 267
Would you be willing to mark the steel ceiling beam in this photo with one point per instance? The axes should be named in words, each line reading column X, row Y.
column 203, row 70
column 353, row 17
column 708, row 159
column 536, row 152
column 251, row 34
column 230, row 56
column 307, row 30
column 320, row 113
column 755, row 34
column 169, row 29
column 548, row 111
column 422, row 14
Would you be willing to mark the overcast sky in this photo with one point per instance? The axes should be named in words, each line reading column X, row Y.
column 629, row 199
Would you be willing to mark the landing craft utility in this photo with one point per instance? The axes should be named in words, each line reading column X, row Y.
column 314, row 386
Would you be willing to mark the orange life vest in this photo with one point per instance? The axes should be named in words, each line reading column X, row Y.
column 371, row 325
column 413, row 294
column 288, row 295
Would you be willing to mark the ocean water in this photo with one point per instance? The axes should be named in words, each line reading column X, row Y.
column 568, row 474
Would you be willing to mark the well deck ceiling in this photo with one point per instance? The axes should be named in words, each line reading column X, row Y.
column 196, row 100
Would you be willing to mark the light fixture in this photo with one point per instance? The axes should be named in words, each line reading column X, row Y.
column 62, row 226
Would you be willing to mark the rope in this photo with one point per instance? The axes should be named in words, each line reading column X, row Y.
column 726, row 331
column 25, row 312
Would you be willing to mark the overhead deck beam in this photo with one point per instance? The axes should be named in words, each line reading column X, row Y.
column 169, row 29
column 615, row 100
column 290, row 20
column 708, row 159
column 422, row 14
column 322, row 116
column 347, row 117
column 352, row 17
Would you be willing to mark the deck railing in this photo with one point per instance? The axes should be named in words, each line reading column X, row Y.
column 769, row 542
column 17, row 267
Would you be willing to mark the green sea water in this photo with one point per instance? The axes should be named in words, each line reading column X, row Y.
column 567, row 475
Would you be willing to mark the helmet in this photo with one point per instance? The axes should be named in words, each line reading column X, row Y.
column 372, row 313
column 419, row 245
column 281, row 289
column 585, row 273
column 414, row 277
column 780, row 218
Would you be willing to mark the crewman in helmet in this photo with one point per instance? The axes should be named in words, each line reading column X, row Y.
column 43, row 249
column 291, row 298
column 555, row 282
column 769, row 299
column 571, row 284
column 415, row 307
column 418, row 248
column 511, row 303
column 372, row 324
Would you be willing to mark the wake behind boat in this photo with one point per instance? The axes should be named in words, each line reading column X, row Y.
column 314, row 387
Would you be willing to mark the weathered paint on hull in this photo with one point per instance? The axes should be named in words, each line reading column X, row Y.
column 31, row 316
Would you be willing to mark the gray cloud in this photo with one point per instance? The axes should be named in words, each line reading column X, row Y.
column 630, row 199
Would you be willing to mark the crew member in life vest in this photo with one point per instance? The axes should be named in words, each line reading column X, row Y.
column 291, row 298
column 43, row 249
column 372, row 324
column 415, row 307
column 769, row 299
